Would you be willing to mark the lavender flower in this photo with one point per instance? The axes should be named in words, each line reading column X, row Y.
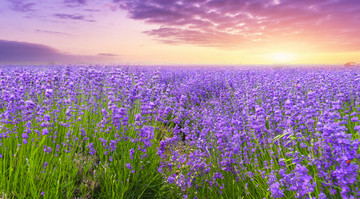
column 132, row 152
column 171, row 180
column 45, row 131
column 128, row 165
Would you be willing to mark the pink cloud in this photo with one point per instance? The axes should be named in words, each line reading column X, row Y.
column 232, row 23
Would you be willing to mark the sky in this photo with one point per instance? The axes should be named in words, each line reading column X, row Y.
column 180, row 32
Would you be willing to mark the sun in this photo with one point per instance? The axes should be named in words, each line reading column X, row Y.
column 282, row 57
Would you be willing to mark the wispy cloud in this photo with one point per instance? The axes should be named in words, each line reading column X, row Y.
column 108, row 54
column 233, row 23
column 92, row 10
column 76, row 1
column 52, row 32
column 22, row 5
column 73, row 17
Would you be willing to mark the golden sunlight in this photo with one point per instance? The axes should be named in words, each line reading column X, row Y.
column 282, row 57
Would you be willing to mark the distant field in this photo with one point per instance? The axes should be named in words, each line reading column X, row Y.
column 119, row 132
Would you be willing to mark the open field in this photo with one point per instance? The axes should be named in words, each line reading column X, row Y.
column 118, row 132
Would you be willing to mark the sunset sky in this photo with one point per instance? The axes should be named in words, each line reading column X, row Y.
column 180, row 31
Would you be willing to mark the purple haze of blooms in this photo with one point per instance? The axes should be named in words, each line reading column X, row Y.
column 237, row 114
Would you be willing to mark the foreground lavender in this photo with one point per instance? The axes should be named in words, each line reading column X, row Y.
column 105, row 132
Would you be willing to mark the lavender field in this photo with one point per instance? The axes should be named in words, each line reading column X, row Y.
column 127, row 132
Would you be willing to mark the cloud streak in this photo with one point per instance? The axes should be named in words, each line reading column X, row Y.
column 73, row 17
column 234, row 23
column 108, row 54
column 76, row 1
column 52, row 32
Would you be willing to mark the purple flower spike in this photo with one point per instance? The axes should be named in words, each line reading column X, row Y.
column 29, row 104
column 171, row 180
column 25, row 136
column 49, row 92
column 276, row 191
column 132, row 151
column 45, row 131
column 128, row 165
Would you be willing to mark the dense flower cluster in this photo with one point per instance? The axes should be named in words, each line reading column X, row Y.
column 295, row 130
column 282, row 132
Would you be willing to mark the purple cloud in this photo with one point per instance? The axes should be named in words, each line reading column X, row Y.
column 76, row 1
column 16, row 51
column 22, row 5
column 73, row 17
column 23, row 52
column 52, row 32
column 92, row 10
column 233, row 23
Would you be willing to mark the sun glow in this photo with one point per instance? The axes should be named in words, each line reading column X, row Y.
column 282, row 57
